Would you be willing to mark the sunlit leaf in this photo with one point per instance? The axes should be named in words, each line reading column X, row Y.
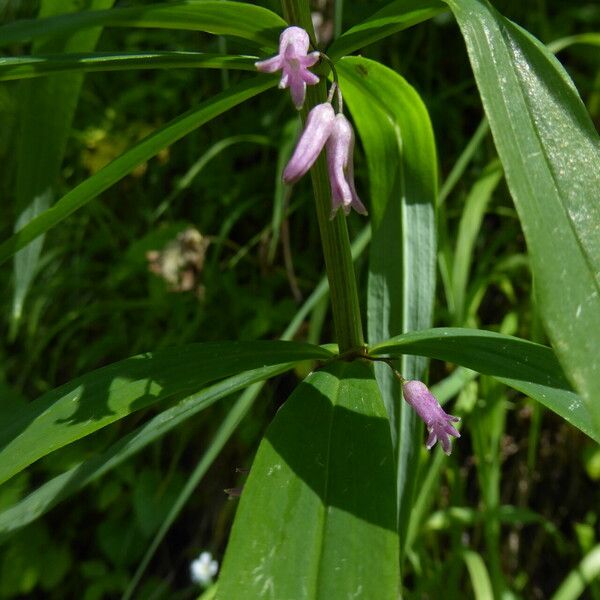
column 317, row 516
column 550, row 151
column 528, row 367
column 101, row 397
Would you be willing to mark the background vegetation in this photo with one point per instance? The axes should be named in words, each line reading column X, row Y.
column 520, row 490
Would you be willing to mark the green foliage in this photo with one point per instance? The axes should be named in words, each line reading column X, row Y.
column 162, row 249
column 317, row 517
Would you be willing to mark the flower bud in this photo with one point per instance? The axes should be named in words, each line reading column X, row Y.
column 438, row 423
column 318, row 127
column 340, row 157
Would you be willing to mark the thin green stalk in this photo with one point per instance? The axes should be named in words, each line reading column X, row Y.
column 334, row 233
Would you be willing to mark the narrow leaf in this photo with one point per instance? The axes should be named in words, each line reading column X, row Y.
column 25, row 67
column 528, row 367
column 550, row 151
column 394, row 17
column 240, row 19
column 141, row 152
column 101, row 397
column 61, row 487
column 46, row 110
column 397, row 136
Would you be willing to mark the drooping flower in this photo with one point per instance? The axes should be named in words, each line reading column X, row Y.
column 203, row 569
column 438, row 422
column 293, row 61
column 317, row 130
column 340, row 159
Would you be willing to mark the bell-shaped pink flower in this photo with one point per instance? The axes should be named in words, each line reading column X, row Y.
column 319, row 124
column 293, row 60
column 340, row 158
column 438, row 422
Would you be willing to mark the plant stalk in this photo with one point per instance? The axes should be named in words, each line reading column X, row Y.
column 334, row 233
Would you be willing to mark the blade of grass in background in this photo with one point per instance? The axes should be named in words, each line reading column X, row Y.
column 528, row 367
column 237, row 412
column 480, row 580
column 551, row 156
column 585, row 573
column 24, row 67
column 397, row 136
column 141, row 152
column 317, row 516
column 394, row 17
column 46, row 109
column 106, row 395
column 239, row 19
column 470, row 224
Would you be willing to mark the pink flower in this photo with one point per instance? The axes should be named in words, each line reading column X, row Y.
column 438, row 423
column 340, row 158
column 319, row 124
column 293, row 60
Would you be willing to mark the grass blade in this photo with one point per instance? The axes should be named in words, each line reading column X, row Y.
column 124, row 164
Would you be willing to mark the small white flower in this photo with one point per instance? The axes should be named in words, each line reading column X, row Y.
column 203, row 569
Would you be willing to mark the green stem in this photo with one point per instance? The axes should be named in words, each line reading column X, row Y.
column 334, row 233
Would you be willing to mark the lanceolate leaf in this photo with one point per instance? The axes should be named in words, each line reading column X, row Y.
column 317, row 516
column 394, row 17
column 23, row 67
column 239, row 19
column 96, row 399
column 528, row 367
column 46, row 109
column 68, row 483
column 551, row 156
column 396, row 133
column 141, row 152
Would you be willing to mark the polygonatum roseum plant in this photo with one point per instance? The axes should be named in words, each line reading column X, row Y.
column 333, row 506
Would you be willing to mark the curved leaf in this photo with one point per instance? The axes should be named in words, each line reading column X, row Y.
column 25, row 67
column 317, row 516
column 397, row 136
column 528, row 367
column 239, row 19
column 48, row 495
column 141, row 152
column 101, row 397
column 394, row 17
column 550, row 151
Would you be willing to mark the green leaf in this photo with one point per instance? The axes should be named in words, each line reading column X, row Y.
column 394, row 17
column 528, row 367
column 551, row 156
column 239, row 19
column 587, row 572
column 317, row 517
column 24, row 67
column 397, row 136
column 141, row 152
column 101, row 397
column 46, row 110
column 469, row 227
column 480, row 579
column 48, row 495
